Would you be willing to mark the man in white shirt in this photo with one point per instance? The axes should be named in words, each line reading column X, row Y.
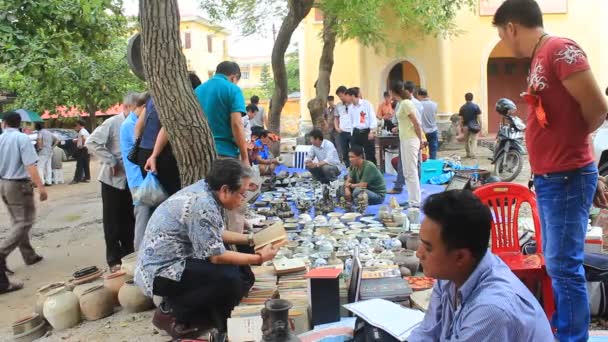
column 46, row 142
column 83, row 172
column 365, row 123
column 117, row 204
column 325, row 170
column 248, row 121
column 429, row 122
column 342, row 124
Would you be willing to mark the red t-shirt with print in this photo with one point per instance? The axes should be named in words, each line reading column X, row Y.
column 564, row 144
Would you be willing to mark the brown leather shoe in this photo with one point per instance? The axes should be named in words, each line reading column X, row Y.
column 394, row 192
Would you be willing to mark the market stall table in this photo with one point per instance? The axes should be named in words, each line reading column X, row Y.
column 383, row 142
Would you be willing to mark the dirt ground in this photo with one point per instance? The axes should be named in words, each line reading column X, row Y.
column 68, row 233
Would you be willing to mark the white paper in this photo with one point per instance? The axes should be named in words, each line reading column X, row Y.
column 388, row 316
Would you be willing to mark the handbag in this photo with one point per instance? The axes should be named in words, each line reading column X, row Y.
column 132, row 156
column 473, row 126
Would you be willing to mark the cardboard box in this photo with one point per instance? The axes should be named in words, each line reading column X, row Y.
column 594, row 240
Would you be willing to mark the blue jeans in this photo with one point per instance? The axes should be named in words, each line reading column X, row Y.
column 564, row 200
column 433, row 140
column 372, row 197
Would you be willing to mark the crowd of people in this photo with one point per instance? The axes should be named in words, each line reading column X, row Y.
column 195, row 248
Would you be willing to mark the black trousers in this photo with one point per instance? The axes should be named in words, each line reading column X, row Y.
column 118, row 223
column 361, row 138
column 205, row 289
column 83, row 172
column 3, row 278
column 345, row 141
column 166, row 168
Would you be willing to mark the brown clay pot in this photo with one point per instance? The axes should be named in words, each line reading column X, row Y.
column 29, row 328
column 128, row 264
column 42, row 293
column 114, row 282
column 96, row 303
column 132, row 299
column 80, row 289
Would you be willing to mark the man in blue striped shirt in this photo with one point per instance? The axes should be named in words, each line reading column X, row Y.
column 477, row 297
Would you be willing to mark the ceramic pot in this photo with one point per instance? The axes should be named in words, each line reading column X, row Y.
column 399, row 218
column 41, row 295
column 96, row 303
column 128, row 264
column 29, row 328
column 114, row 282
column 132, row 299
column 27, row 323
column 413, row 241
column 61, row 309
column 405, row 272
column 407, row 259
column 275, row 326
column 80, row 289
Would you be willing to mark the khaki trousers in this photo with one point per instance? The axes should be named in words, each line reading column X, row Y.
column 470, row 143
column 18, row 196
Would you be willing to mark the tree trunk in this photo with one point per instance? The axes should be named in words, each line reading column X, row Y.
column 167, row 76
column 298, row 10
column 92, row 119
column 317, row 105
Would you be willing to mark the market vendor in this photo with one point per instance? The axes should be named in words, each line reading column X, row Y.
column 264, row 158
column 183, row 257
column 325, row 168
column 363, row 175
column 476, row 297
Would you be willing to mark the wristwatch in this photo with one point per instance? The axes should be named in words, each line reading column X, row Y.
column 250, row 239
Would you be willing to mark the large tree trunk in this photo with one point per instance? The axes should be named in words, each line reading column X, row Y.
column 298, row 10
column 317, row 105
column 167, row 76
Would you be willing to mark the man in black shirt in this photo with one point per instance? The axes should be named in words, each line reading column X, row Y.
column 470, row 119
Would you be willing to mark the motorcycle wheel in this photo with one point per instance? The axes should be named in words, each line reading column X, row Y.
column 507, row 169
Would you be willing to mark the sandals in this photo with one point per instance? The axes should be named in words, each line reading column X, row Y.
column 12, row 287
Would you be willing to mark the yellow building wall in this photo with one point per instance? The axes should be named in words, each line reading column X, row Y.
column 198, row 57
column 448, row 68
column 255, row 75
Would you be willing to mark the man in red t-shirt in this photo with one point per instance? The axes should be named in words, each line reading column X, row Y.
column 565, row 105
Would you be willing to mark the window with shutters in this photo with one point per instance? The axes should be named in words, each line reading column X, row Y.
column 187, row 40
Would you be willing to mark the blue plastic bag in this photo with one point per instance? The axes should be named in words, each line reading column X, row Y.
column 150, row 193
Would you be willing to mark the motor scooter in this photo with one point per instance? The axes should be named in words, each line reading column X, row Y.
column 509, row 148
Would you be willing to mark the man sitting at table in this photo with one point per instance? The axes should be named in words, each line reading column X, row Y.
column 476, row 297
column 325, row 170
column 363, row 175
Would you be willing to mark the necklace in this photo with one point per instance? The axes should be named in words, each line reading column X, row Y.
column 540, row 39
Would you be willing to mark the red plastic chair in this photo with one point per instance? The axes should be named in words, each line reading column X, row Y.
column 504, row 201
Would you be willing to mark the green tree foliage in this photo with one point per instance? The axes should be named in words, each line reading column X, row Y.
column 33, row 32
column 65, row 52
column 293, row 76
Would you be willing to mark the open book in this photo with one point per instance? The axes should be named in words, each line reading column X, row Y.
column 274, row 234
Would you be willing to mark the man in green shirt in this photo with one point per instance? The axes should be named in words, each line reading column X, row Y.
column 363, row 175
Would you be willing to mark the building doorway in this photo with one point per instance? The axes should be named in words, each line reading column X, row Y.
column 403, row 71
column 506, row 78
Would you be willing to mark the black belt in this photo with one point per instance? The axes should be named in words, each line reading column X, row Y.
column 365, row 130
column 16, row 180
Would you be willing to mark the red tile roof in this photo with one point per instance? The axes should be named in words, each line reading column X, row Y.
column 65, row 112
